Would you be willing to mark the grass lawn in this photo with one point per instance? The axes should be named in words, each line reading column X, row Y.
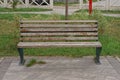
column 63, row 3
column 112, row 12
column 24, row 9
column 105, row 11
column 70, row 4
column 109, row 30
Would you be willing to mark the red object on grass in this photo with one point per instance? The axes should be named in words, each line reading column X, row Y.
column 90, row 6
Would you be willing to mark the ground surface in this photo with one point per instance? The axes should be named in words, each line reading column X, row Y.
column 61, row 68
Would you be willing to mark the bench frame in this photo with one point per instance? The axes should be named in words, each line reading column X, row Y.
column 98, row 48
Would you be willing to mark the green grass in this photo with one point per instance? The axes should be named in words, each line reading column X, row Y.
column 94, row 0
column 13, row 17
column 63, row 3
column 24, row 9
column 105, row 11
column 109, row 30
column 33, row 62
column 70, row 3
column 59, row 3
column 111, row 11
column 84, row 1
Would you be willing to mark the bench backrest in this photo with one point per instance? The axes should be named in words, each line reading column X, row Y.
column 59, row 30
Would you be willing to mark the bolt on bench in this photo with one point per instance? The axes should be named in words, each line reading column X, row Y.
column 58, row 33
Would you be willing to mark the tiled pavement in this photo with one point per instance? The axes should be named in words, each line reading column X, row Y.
column 61, row 68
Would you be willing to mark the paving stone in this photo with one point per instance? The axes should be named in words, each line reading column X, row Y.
column 115, row 63
column 4, row 65
column 63, row 68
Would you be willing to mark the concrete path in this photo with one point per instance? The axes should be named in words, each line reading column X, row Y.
column 57, row 10
column 61, row 10
column 61, row 68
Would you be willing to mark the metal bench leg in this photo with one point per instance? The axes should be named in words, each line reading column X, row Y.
column 97, row 58
column 21, row 53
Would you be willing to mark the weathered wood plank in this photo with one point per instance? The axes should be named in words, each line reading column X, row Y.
column 58, row 21
column 57, row 25
column 61, row 34
column 58, row 44
column 56, row 29
column 58, row 38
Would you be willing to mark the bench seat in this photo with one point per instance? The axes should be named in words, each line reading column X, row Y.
column 58, row 44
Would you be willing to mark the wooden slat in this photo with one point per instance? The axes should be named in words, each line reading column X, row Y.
column 57, row 25
column 56, row 29
column 58, row 38
column 58, row 21
column 58, row 44
column 61, row 34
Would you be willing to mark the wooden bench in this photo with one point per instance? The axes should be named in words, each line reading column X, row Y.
column 59, row 33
